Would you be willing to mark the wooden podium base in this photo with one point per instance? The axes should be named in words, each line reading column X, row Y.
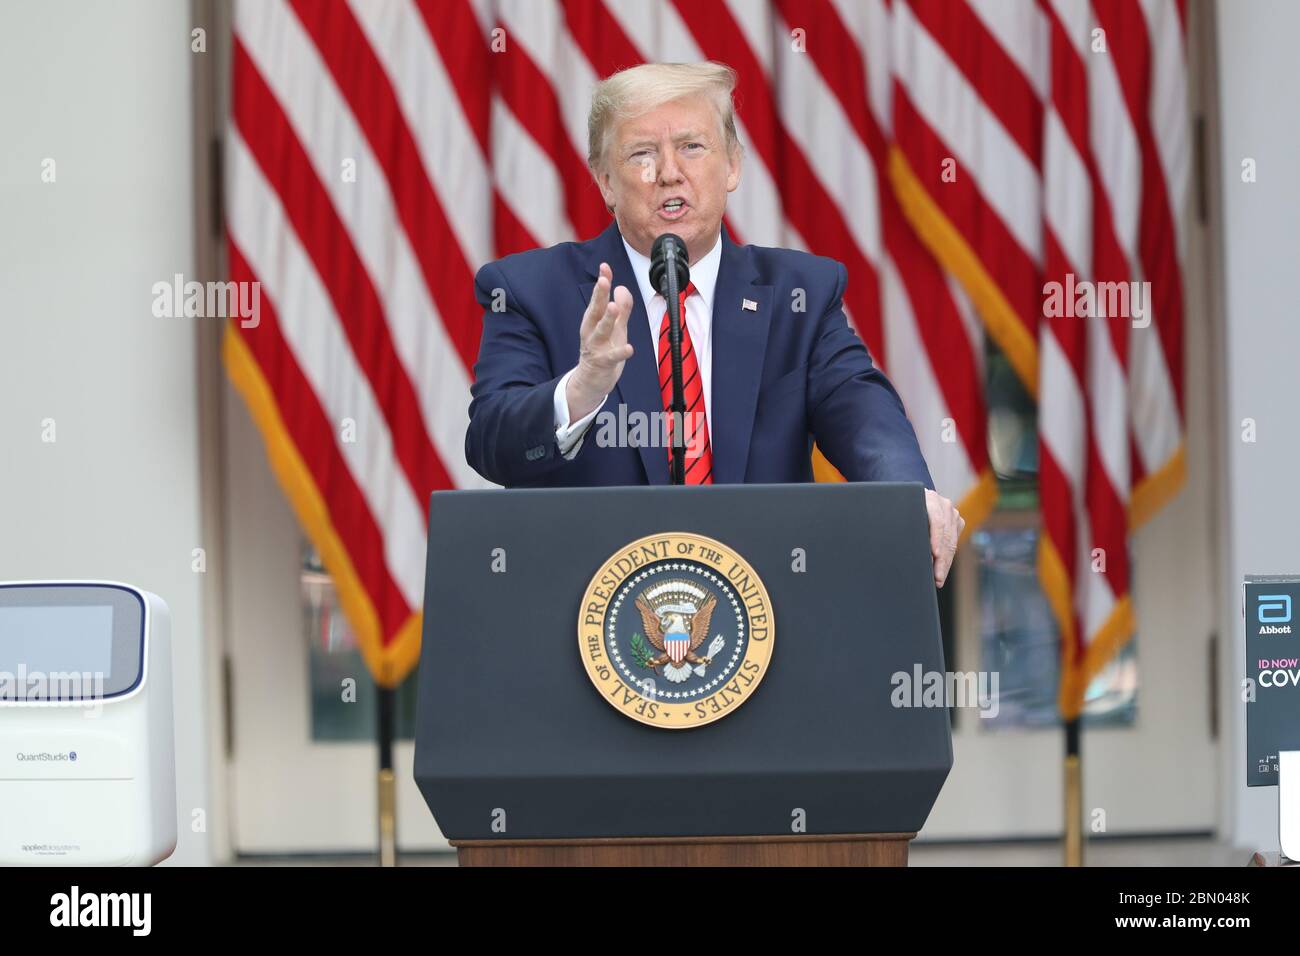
column 840, row 849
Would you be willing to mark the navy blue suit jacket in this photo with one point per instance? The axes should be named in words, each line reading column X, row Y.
column 781, row 378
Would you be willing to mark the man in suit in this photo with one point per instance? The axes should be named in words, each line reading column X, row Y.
column 770, row 363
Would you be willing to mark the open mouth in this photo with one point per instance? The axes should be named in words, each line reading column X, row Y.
column 673, row 209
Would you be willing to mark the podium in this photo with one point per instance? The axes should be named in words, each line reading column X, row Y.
column 719, row 675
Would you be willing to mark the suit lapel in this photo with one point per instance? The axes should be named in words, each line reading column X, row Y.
column 638, row 386
column 739, row 344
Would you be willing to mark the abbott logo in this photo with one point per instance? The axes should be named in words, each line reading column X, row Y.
column 1274, row 610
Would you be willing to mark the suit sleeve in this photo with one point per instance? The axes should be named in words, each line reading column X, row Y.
column 511, row 435
column 857, row 417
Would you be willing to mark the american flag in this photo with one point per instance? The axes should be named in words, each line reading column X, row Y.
column 1069, row 121
column 954, row 155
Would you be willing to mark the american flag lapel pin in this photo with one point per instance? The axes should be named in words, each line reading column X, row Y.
column 749, row 305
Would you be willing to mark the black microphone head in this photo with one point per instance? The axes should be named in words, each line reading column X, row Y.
column 659, row 252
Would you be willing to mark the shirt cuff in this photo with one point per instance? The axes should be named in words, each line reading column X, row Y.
column 568, row 437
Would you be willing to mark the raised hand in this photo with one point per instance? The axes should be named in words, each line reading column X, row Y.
column 603, row 349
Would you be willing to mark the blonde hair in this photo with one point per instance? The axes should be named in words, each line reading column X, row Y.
column 640, row 89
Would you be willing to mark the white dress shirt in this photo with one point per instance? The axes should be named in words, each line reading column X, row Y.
column 699, row 323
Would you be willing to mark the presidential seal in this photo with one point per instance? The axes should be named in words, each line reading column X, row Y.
column 676, row 630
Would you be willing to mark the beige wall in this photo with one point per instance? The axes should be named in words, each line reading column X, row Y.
column 104, row 91
column 1259, row 87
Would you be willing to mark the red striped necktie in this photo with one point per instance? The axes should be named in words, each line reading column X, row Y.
column 699, row 452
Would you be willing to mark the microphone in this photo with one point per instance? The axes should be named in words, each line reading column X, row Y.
column 670, row 274
column 668, row 247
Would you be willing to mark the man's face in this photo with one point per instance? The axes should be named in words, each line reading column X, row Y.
column 669, row 170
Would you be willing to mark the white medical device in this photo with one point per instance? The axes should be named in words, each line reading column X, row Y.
column 1288, row 804
column 87, row 751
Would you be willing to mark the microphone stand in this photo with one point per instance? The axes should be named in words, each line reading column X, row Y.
column 669, row 271
column 672, row 297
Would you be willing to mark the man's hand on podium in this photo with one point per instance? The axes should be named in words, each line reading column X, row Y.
column 946, row 524
column 603, row 349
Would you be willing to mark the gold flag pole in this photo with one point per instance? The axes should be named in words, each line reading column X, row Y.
column 387, row 779
column 1073, row 795
column 387, row 818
